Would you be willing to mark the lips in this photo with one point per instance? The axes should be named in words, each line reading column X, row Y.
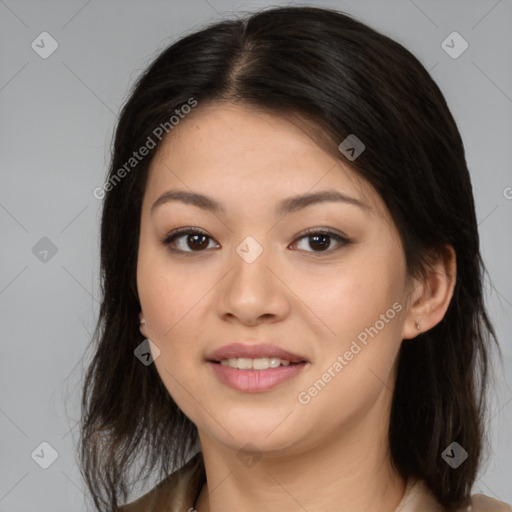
column 253, row 351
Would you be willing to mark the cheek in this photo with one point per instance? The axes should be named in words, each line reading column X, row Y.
column 169, row 295
column 345, row 302
column 176, row 304
column 172, row 305
column 360, row 309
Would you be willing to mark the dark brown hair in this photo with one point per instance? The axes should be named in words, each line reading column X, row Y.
column 344, row 78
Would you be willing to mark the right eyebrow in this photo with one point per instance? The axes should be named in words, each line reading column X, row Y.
column 193, row 198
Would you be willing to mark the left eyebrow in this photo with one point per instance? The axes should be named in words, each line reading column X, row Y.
column 288, row 205
column 292, row 204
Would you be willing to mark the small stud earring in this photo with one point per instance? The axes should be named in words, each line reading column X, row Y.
column 143, row 321
column 418, row 326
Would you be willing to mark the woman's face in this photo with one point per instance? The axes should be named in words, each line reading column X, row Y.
column 256, row 276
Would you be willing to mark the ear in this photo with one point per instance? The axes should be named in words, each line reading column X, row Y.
column 432, row 295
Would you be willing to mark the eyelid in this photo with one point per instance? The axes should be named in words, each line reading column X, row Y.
column 183, row 230
column 323, row 231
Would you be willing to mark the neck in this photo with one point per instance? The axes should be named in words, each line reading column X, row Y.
column 350, row 473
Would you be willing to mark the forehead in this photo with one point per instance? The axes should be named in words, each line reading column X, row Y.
column 246, row 152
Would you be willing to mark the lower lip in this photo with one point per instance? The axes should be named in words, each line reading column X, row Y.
column 252, row 381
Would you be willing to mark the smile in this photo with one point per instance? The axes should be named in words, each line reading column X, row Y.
column 255, row 375
column 260, row 363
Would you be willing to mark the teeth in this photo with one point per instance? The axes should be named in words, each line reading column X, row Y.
column 262, row 363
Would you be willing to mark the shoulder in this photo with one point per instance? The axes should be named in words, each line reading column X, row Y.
column 177, row 492
column 482, row 503
column 418, row 498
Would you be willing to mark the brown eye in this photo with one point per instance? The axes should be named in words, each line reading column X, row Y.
column 320, row 241
column 187, row 240
column 197, row 241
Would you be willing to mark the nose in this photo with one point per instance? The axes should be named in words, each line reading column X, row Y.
column 253, row 291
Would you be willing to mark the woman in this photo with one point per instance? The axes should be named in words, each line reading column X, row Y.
column 292, row 308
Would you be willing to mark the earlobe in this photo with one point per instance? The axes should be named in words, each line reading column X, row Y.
column 142, row 323
column 412, row 328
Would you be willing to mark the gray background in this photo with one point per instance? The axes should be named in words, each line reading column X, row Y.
column 56, row 123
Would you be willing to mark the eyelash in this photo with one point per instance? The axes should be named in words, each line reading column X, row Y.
column 308, row 233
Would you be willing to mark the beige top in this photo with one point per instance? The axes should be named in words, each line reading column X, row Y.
column 180, row 490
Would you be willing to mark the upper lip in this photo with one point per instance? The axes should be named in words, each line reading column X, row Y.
column 253, row 351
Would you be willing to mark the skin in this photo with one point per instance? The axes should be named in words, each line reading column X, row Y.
column 330, row 454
